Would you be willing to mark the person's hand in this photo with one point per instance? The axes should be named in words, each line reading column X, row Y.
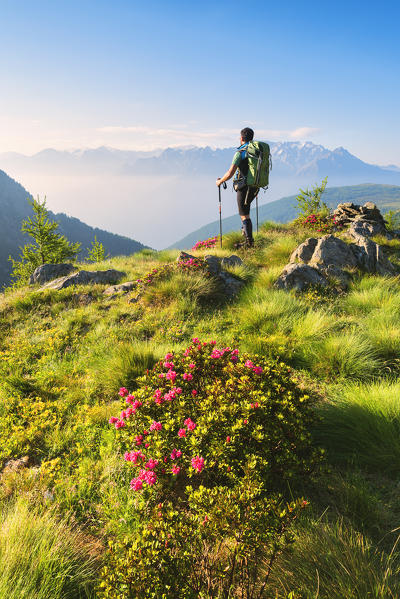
column 219, row 182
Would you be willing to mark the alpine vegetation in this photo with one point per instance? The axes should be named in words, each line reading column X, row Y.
column 213, row 424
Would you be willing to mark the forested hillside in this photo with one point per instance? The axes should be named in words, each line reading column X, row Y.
column 14, row 208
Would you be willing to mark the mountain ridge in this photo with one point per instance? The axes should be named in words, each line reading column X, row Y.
column 14, row 208
column 386, row 197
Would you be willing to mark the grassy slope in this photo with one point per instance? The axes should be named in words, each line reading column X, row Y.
column 386, row 197
column 65, row 354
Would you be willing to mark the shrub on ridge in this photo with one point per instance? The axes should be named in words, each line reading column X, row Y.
column 209, row 438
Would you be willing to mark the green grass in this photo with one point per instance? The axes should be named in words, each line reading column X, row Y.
column 74, row 357
column 332, row 561
column 42, row 557
column 361, row 425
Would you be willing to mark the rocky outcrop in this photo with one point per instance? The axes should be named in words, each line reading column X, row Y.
column 300, row 276
column 49, row 272
column 216, row 266
column 365, row 220
column 123, row 288
column 85, row 277
column 316, row 261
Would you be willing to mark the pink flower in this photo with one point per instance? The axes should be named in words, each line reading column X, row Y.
column 123, row 391
column 147, row 445
column 137, row 404
column 182, row 432
column 113, row 420
column 130, row 399
column 178, row 390
column 168, row 365
column 122, row 415
column 120, row 424
column 142, row 474
column 213, row 342
column 186, row 352
column 136, row 484
column 190, row 424
column 249, row 364
column 192, row 365
column 198, row 463
column 169, row 356
column 257, row 369
column 175, row 469
column 228, row 439
column 151, row 464
column 139, row 439
column 194, row 392
column 196, row 340
column 178, row 453
column 151, row 477
column 171, row 375
column 187, row 376
column 155, row 426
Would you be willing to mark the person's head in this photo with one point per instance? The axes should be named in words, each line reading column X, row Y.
column 246, row 134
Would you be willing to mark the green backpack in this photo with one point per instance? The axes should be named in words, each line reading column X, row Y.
column 260, row 164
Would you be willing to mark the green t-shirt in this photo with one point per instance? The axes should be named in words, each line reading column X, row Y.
column 237, row 159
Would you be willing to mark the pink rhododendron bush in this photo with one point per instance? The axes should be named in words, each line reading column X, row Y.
column 210, row 440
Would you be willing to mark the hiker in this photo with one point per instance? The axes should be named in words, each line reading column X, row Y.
column 245, row 195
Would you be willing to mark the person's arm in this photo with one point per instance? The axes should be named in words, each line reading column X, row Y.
column 228, row 175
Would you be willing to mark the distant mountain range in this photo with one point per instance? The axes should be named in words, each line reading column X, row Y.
column 298, row 160
column 14, row 208
column 386, row 197
column 162, row 195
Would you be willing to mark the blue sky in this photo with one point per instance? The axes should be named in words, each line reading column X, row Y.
column 149, row 74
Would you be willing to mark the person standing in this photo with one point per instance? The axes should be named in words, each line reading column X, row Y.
column 244, row 194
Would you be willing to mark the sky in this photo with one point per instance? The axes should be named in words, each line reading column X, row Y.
column 141, row 75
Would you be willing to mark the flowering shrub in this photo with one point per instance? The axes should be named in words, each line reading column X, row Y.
column 211, row 242
column 209, row 440
column 321, row 223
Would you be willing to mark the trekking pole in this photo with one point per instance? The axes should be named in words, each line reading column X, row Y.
column 220, row 211
column 257, row 210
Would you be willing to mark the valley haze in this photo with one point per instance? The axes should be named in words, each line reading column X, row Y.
column 157, row 197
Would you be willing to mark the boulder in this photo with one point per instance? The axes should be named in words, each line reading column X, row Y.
column 331, row 251
column 231, row 261
column 184, row 256
column 85, row 277
column 371, row 258
column 300, row 276
column 213, row 264
column 122, row 288
column 49, row 272
column 366, row 228
column 305, row 250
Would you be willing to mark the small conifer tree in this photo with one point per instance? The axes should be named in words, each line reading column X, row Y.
column 97, row 253
column 309, row 200
column 49, row 247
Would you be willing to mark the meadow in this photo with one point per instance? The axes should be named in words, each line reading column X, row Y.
column 64, row 355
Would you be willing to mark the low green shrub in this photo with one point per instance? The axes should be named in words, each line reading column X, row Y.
column 211, row 440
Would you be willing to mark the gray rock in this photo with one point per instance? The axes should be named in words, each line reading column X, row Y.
column 184, row 256
column 17, row 464
column 331, row 251
column 120, row 289
column 231, row 285
column 370, row 257
column 49, row 272
column 85, row 277
column 367, row 228
column 231, row 261
column 300, row 276
column 213, row 263
column 305, row 250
